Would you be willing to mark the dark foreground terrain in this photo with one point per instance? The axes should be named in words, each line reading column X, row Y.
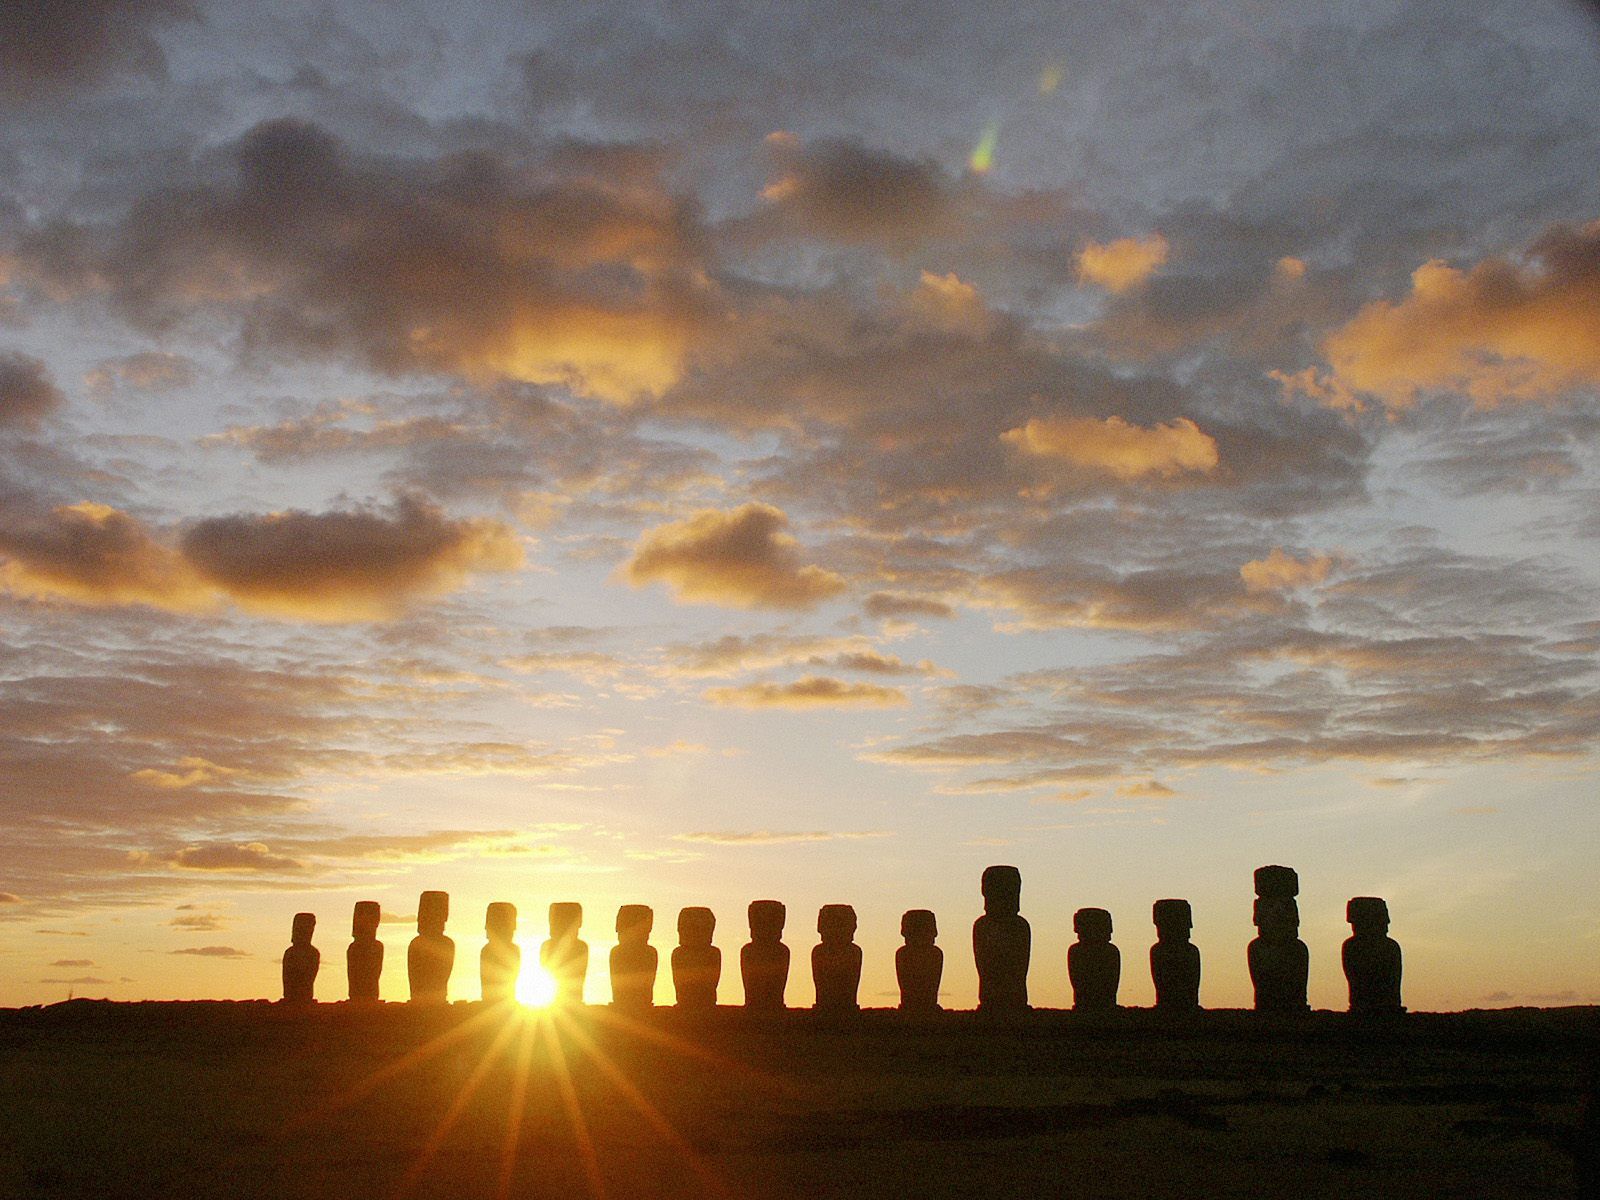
column 246, row 1100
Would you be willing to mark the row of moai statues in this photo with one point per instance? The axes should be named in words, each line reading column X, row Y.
column 1001, row 941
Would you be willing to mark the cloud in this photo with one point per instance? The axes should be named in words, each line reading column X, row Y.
column 844, row 190
column 94, row 554
column 360, row 564
column 769, row 837
column 47, row 46
column 10, row 898
column 212, row 952
column 1123, row 264
column 27, row 394
column 72, row 962
column 229, row 857
column 810, row 691
column 900, row 604
column 741, row 558
column 198, row 922
column 1150, row 789
column 1280, row 572
column 732, row 654
column 563, row 271
column 147, row 371
column 81, row 980
column 1116, row 446
column 356, row 565
column 1506, row 330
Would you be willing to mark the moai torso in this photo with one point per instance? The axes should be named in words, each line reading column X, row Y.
column 1002, row 943
column 1280, row 964
column 301, row 962
column 1093, row 963
column 1174, row 959
column 633, row 958
column 500, row 961
column 696, row 963
column 431, row 956
column 564, row 956
column 836, row 960
column 1371, row 958
column 919, row 964
column 764, row 959
column 363, row 959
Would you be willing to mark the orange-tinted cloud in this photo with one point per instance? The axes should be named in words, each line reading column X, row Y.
column 230, row 857
column 93, row 554
column 1118, row 447
column 1281, row 572
column 810, row 691
column 1507, row 330
column 742, row 558
column 1123, row 264
column 555, row 274
column 339, row 566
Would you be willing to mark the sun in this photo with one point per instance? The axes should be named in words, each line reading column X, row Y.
column 536, row 987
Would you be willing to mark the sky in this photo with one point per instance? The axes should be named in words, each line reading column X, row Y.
column 687, row 453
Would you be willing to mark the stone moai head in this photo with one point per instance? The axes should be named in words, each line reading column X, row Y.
column 305, row 924
column 695, row 926
column 1173, row 919
column 766, row 920
column 919, row 927
column 1368, row 916
column 366, row 918
column 836, row 922
column 1092, row 925
column 1002, row 891
column 433, row 910
column 1279, row 883
column 634, row 923
column 566, row 918
column 1278, row 918
column 500, row 921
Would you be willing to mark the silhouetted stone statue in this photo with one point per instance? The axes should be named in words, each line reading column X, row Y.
column 1279, row 961
column 431, row 956
column 919, row 964
column 1174, row 959
column 1371, row 958
column 363, row 959
column 1002, row 943
column 764, row 959
column 1093, row 963
column 696, row 963
column 633, row 958
column 301, row 961
column 836, row 960
column 564, row 956
column 500, row 962
column 1277, row 883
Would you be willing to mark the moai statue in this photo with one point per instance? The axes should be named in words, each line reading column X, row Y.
column 696, row 963
column 564, row 955
column 1002, row 943
column 1093, row 963
column 633, row 958
column 500, row 962
column 836, row 960
column 431, row 956
column 1371, row 958
column 1280, row 964
column 1174, row 959
column 919, row 964
column 363, row 959
column 764, row 959
column 300, row 962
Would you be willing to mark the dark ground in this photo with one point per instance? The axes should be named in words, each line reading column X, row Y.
column 251, row 1099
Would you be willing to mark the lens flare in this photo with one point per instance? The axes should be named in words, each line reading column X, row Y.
column 983, row 155
column 536, row 987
